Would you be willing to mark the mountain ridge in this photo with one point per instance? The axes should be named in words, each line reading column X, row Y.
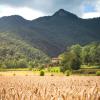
column 52, row 34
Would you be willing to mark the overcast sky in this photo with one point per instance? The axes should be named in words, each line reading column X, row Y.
column 31, row 9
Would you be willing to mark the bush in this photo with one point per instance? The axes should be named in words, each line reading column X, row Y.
column 98, row 73
column 42, row 73
column 57, row 71
column 30, row 68
column 68, row 73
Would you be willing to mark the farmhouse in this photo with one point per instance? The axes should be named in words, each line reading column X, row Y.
column 56, row 60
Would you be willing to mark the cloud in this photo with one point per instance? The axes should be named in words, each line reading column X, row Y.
column 91, row 15
column 25, row 12
column 46, row 6
column 82, row 8
column 95, row 11
column 13, row 2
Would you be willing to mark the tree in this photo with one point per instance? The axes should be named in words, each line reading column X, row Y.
column 70, row 61
column 75, row 64
column 91, row 54
column 76, row 49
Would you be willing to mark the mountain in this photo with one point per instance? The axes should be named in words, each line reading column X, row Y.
column 15, row 51
column 51, row 34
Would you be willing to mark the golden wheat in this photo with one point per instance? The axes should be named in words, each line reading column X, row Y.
column 49, row 88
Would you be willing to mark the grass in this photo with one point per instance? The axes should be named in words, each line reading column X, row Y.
column 52, row 71
column 85, row 71
column 89, row 67
column 15, row 69
column 27, row 72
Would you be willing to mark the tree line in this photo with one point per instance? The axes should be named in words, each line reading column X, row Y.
column 78, row 55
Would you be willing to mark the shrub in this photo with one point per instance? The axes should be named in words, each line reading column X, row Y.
column 30, row 68
column 42, row 73
column 98, row 73
column 57, row 71
column 68, row 73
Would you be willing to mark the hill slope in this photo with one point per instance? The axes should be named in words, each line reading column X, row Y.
column 52, row 34
column 16, row 52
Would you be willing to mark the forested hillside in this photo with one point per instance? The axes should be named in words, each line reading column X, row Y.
column 16, row 53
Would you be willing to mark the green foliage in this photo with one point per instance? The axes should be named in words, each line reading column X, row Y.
column 54, row 69
column 16, row 53
column 77, row 55
column 70, row 61
column 22, row 64
column 91, row 54
column 75, row 64
column 30, row 68
column 68, row 73
column 98, row 73
column 41, row 66
column 33, row 64
column 90, row 67
column 42, row 73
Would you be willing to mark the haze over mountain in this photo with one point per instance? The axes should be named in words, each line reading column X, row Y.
column 51, row 34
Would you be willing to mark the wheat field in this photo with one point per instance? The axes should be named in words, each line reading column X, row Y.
column 49, row 88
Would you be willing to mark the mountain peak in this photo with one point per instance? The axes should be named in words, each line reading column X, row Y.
column 13, row 19
column 61, row 12
column 64, row 13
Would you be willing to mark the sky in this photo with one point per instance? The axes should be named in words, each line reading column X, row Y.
column 31, row 9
